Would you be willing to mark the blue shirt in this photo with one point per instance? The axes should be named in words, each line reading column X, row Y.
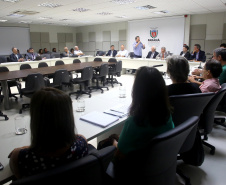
column 137, row 50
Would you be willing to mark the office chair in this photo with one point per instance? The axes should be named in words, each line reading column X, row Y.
column 42, row 64
column 86, row 76
column 114, row 71
column 156, row 163
column 55, row 55
column 97, row 59
column 38, row 58
column 1, row 113
column 103, row 71
column 33, row 83
column 112, row 60
column 59, row 62
column 75, row 61
column 3, row 59
column 131, row 55
column 8, row 59
column 47, row 56
column 12, row 83
column 207, row 118
column 60, row 78
column 25, row 66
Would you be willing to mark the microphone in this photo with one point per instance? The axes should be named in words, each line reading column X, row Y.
column 157, row 65
column 200, row 65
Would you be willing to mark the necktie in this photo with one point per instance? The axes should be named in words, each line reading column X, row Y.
column 163, row 55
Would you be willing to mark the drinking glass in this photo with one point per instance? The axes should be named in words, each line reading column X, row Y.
column 20, row 125
column 122, row 92
column 80, row 105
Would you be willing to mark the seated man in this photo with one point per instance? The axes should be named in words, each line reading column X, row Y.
column 15, row 56
column 31, row 55
column 163, row 54
column 197, row 54
column 66, row 52
column 185, row 53
column 112, row 52
column 123, row 52
column 45, row 51
column 78, row 52
column 153, row 53
column 223, row 45
column 54, row 50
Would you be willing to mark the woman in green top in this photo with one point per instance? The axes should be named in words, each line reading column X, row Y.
column 149, row 113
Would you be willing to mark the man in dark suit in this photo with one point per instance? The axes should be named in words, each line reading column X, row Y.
column 153, row 53
column 197, row 54
column 15, row 56
column 185, row 53
column 112, row 52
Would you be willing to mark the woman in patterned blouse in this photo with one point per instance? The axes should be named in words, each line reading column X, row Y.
column 53, row 135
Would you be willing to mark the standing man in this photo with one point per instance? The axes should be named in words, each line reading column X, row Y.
column 153, row 53
column 137, row 47
column 78, row 52
column 15, row 56
column 112, row 52
column 197, row 54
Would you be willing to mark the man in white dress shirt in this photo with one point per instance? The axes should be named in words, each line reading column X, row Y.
column 123, row 52
column 78, row 52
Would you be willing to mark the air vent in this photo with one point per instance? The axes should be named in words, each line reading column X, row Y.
column 25, row 12
column 147, row 7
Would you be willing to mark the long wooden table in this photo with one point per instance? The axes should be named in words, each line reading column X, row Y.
column 4, row 76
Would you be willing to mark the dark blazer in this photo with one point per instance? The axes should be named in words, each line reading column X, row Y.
column 149, row 54
column 109, row 53
column 187, row 55
column 13, row 58
column 202, row 56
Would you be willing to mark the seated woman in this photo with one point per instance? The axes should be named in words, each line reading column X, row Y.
column 40, row 52
column 210, row 73
column 178, row 70
column 53, row 138
column 149, row 113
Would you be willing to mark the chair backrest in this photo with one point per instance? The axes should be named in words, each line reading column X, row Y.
column 59, row 62
column 156, row 163
column 34, row 82
column 86, row 169
column 25, row 66
column 97, row 59
column 87, row 73
column 4, row 69
column 3, row 59
column 112, row 60
column 118, row 67
column 38, row 58
column 208, row 114
column 47, row 56
column 42, row 64
column 100, row 53
column 104, row 70
column 55, row 55
column 76, row 61
column 60, row 76
column 131, row 54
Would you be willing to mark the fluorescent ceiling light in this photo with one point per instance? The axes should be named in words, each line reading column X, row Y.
column 16, row 15
column 44, row 18
column 162, row 12
column 104, row 13
column 123, row 1
column 11, row 1
column 25, row 22
column 84, row 21
column 3, row 20
column 47, row 23
column 146, row 7
column 50, row 5
column 122, row 16
column 81, row 9
column 64, row 19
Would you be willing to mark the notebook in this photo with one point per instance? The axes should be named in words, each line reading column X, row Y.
column 100, row 119
column 114, row 113
column 121, row 108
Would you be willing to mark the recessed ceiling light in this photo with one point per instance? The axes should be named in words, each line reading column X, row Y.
column 162, row 12
column 104, row 13
column 80, row 9
column 3, row 20
column 25, row 22
column 64, row 19
column 123, row 1
column 147, row 7
column 16, row 15
column 122, row 16
column 47, row 23
column 84, row 21
column 44, row 18
column 50, row 5
column 11, row 1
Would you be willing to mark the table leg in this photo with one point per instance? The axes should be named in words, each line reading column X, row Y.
column 5, row 91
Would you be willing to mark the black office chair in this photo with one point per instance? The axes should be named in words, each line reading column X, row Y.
column 76, row 61
column 47, row 56
column 12, row 83
column 131, row 55
column 207, row 118
column 100, row 53
column 25, row 66
column 33, row 83
column 1, row 113
column 156, row 163
column 103, row 71
column 184, row 107
column 115, row 71
column 3, row 59
column 112, row 60
column 55, row 55
column 61, row 78
column 59, row 62
column 38, row 58
column 86, row 76
column 97, row 59
column 42, row 64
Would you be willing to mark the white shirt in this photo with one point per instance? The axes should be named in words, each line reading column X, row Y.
column 123, row 53
column 152, row 54
column 77, row 52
